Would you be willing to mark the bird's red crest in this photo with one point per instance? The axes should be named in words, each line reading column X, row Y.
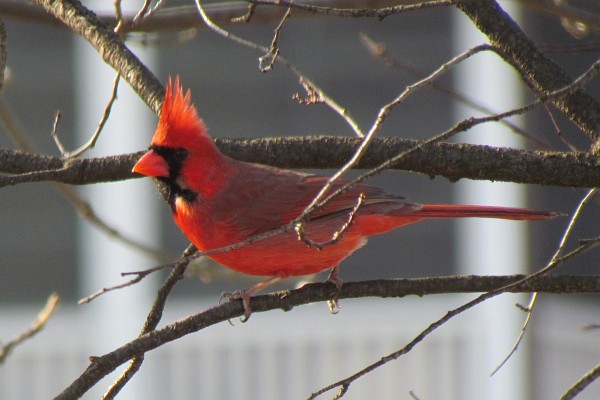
column 179, row 123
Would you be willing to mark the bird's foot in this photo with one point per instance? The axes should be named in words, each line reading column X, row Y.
column 246, row 294
column 237, row 295
column 334, row 304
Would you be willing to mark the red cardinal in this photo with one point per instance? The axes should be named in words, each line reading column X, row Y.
column 218, row 201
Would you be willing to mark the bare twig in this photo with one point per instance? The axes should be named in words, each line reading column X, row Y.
column 146, row 12
column 345, row 383
column 2, row 53
column 139, row 275
column 582, row 384
column 383, row 114
column 324, row 98
column 119, row 17
column 532, row 301
column 92, row 141
column 557, row 128
column 109, row 45
column 265, row 62
column 84, row 209
column 247, row 16
column 54, row 134
column 379, row 50
column 337, row 235
column 41, row 320
column 460, row 127
column 152, row 320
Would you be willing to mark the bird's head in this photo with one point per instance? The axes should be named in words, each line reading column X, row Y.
column 181, row 153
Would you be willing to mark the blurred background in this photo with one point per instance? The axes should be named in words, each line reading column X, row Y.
column 46, row 247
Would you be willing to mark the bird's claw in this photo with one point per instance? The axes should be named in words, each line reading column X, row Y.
column 237, row 295
column 334, row 304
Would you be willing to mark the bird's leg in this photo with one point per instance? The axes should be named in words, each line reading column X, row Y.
column 246, row 294
column 334, row 306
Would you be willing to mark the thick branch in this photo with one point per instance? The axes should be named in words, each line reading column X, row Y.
column 102, row 366
column 110, row 47
column 453, row 161
column 541, row 73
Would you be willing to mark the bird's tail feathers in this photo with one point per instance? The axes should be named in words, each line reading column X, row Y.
column 465, row 211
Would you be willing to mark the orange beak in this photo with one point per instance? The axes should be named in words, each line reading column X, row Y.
column 153, row 165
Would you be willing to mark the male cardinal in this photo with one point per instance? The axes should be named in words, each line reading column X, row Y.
column 218, row 201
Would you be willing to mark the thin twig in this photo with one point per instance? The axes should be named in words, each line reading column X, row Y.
column 119, row 17
column 383, row 114
column 582, row 384
column 3, row 53
column 468, row 123
column 337, row 235
column 109, row 46
column 92, row 141
column 532, row 302
column 379, row 50
column 265, row 62
column 152, row 320
column 557, row 129
column 84, row 209
column 39, row 323
column 582, row 80
column 247, row 16
column 139, row 275
column 345, row 383
column 146, row 12
column 54, row 134
column 341, row 111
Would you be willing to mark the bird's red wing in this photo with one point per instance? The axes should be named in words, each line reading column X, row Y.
column 270, row 198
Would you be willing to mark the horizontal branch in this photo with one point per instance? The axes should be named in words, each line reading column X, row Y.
column 224, row 13
column 452, row 161
column 180, row 18
column 319, row 292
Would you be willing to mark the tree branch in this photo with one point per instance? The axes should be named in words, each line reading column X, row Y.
column 452, row 161
column 39, row 324
column 110, row 46
column 186, row 17
column 538, row 71
column 152, row 320
column 319, row 292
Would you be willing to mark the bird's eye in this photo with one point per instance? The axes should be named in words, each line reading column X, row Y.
column 180, row 154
